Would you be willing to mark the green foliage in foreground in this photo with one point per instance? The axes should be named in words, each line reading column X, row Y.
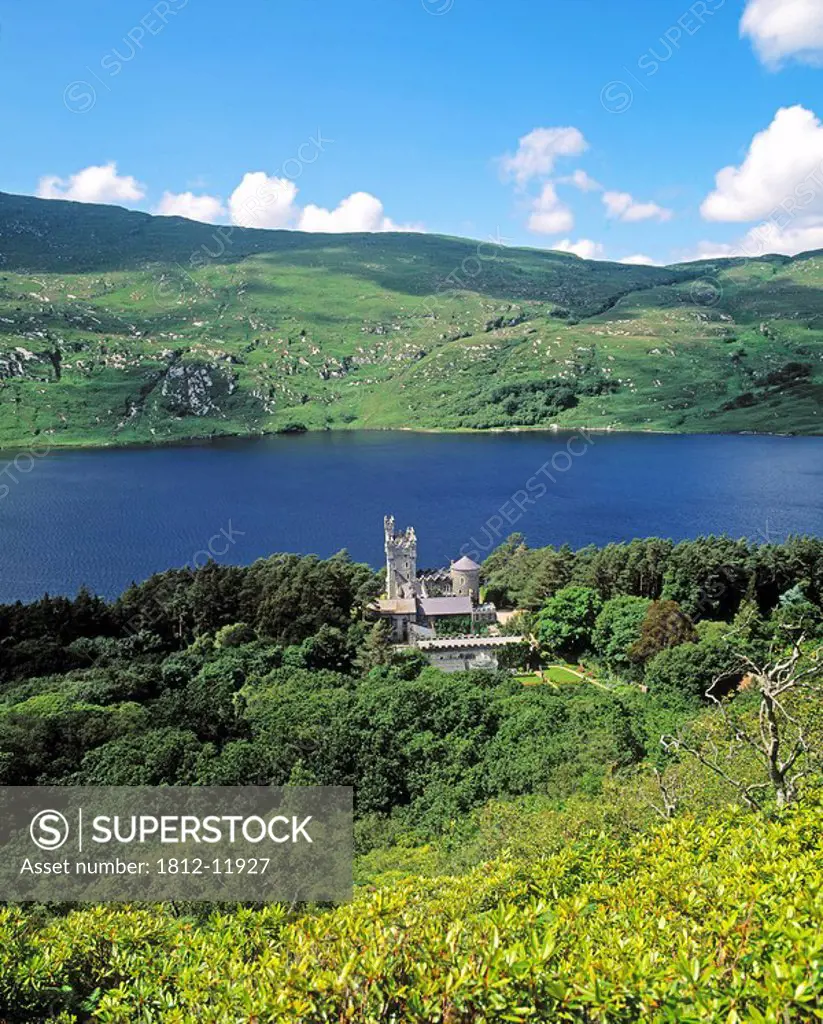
column 121, row 328
column 697, row 922
column 544, row 892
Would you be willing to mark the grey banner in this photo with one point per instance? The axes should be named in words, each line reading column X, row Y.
column 214, row 843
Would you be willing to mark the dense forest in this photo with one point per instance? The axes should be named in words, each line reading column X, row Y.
column 636, row 840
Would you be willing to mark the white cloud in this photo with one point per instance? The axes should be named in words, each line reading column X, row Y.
column 707, row 250
column 549, row 215
column 95, row 184
column 360, row 211
column 539, row 149
column 585, row 248
column 803, row 235
column 638, row 260
column 785, row 28
column 781, row 176
column 208, row 209
column 583, row 181
column 261, row 201
column 623, row 206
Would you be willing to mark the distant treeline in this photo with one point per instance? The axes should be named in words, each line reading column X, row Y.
column 287, row 598
column 709, row 577
column 284, row 599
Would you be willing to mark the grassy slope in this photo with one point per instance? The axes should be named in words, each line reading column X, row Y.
column 116, row 327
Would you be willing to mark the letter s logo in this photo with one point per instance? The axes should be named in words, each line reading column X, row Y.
column 49, row 830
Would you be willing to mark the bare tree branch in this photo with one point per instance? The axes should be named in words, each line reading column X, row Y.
column 777, row 728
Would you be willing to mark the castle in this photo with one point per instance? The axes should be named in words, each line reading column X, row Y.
column 416, row 602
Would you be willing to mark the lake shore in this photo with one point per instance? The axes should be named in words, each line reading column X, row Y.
column 36, row 447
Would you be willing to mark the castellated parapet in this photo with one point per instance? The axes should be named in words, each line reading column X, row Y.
column 427, row 611
column 401, row 561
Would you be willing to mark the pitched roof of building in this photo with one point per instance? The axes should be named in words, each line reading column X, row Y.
column 396, row 606
column 465, row 564
column 446, row 605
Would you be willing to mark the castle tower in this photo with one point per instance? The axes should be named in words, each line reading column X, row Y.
column 465, row 575
column 401, row 561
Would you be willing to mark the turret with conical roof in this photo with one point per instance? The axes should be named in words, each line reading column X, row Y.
column 465, row 574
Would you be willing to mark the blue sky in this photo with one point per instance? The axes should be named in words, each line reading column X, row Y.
column 463, row 117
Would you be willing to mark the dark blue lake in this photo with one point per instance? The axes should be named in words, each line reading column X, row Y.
column 105, row 518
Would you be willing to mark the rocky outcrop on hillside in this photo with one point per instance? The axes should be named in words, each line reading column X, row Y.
column 196, row 389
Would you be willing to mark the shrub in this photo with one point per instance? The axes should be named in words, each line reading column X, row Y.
column 696, row 922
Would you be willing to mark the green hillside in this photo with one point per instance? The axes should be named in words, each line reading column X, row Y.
column 117, row 327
